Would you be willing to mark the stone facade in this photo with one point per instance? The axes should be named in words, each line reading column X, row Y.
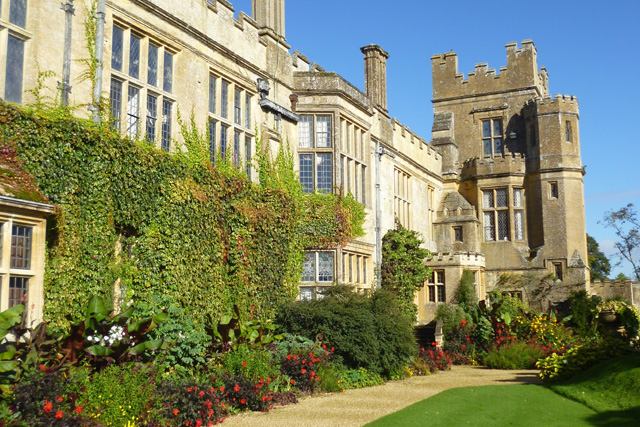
column 494, row 191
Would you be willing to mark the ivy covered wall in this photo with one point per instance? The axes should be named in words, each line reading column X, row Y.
column 151, row 224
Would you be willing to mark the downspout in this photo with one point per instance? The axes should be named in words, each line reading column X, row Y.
column 66, row 63
column 97, row 89
column 380, row 151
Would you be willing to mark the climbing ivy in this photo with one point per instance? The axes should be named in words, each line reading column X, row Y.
column 147, row 223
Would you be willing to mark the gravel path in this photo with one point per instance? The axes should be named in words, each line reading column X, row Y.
column 358, row 407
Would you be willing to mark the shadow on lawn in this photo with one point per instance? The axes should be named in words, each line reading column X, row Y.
column 627, row 417
column 528, row 378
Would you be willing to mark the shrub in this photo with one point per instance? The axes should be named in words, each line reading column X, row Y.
column 583, row 311
column 434, row 359
column 189, row 403
column 367, row 332
column 513, row 355
column 580, row 357
column 359, row 378
column 451, row 316
column 251, row 362
column 459, row 344
column 466, row 294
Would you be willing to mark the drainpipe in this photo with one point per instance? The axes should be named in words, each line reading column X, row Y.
column 97, row 90
column 66, row 64
column 380, row 151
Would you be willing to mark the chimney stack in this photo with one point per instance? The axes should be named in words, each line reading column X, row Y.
column 269, row 14
column 375, row 75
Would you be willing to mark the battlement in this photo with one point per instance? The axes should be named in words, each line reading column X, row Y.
column 520, row 73
column 559, row 103
column 467, row 259
column 409, row 143
column 481, row 166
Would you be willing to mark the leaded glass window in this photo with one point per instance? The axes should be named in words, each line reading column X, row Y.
column 117, row 43
column 518, row 219
column 247, row 110
column 166, row 125
column 489, row 226
column 324, row 173
column 517, row 197
column 152, row 65
column 247, row 155
column 492, row 137
column 325, row 266
column 116, row 102
column 323, row 132
column 309, row 267
column 212, row 142
column 212, row 94
column 21, row 247
column 133, row 111
column 224, row 99
column 167, row 76
column 134, row 56
column 501, row 198
column 503, row 225
column 236, row 148
column 18, row 13
column 152, row 117
column 14, row 69
column 306, row 294
column 223, row 141
column 305, row 131
column 18, row 288
column 306, row 172
column 237, row 109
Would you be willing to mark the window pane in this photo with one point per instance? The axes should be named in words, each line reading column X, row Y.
column 134, row 56
column 308, row 267
column 325, row 267
column 497, row 128
column 116, row 102
column 247, row 155
column 323, row 164
column 432, row 293
column 152, row 117
column 21, row 247
column 18, row 12
column 487, row 147
column 323, row 133
column 166, row 125
column 306, row 172
column 236, row 148
column 223, row 142
column 503, row 225
column 15, row 64
column 498, row 146
column 518, row 218
column 364, row 185
column 501, row 197
column 117, row 42
column 486, row 129
column 487, row 199
column 441, row 296
column 306, row 294
column 247, row 111
column 18, row 288
column 489, row 226
column 305, row 130
column 517, row 197
column 224, row 93
column 152, row 65
column 167, row 83
column 133, row 112
column 212, row 142
column 237, row 110
column 212, row 94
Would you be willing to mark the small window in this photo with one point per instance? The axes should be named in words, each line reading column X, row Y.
column 117, row 43
column 553, row 190
column 133, row 111
column 18, row 13
column 492, row 140
column 247, row 155
column 152, row 118
column 237, row 109
column 152, row 65
column 212, row 142
column 223, row 141
column 166, row 125
column 306, row 294
column 309, row 267
column 224, row 99
column 436, row 287
column 134, row 56
column 247, row 110
column 18, row 288
column 323, row 132
column 318, row 266
column 21, row 247
column 212, row 94
column 14, row 70
column 236, row 148
column 167, row 76
column 568, row 134
column 457, row 234
column 557, row 270
column 116, row 102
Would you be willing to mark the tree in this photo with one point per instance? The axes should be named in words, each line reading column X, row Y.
column 625, row 223
column 598, row 261
column 466, row 293
column 403, row 271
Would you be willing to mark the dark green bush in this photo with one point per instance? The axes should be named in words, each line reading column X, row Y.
column 583, row 311
column 368, row 332
column 516, row 355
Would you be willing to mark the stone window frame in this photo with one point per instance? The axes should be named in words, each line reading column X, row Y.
column 231, row 124
column 458, row 233
column 516, row 227
column 353, row 160
column 436, row 287
column 21, row 34
column 354, row 267
column 554, row 190
column 312, row 260
column 402, row 184
column 315, row 176
column 157, row 129
column 492, row 139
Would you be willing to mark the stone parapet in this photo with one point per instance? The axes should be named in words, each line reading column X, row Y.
column 507, row 164
column 553, row 105
column 464, row 259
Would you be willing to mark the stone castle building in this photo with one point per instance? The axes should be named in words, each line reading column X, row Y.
column 498, row 190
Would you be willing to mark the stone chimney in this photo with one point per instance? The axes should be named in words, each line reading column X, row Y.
column 375, row 75
column 269, row 14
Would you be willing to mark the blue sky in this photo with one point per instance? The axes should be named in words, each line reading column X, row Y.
column 591, row 49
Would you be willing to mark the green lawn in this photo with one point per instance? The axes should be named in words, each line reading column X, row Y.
column 514, row 405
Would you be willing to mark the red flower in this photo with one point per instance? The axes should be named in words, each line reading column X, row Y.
column 463, row 322
column 292, row 381
column 303, row 371
column 47, row 406
column 236, row 387
column 78, row 409
column 295, row 356
column 201, row 394
column 243, row 401
column 42, row 368
column 264, row 397
column 221, row 388
column 288, row 357
column 59, row 414
column 175, row 412
column 244, row 364
column 332, row 349
column 60, row 399
column 198, row 423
